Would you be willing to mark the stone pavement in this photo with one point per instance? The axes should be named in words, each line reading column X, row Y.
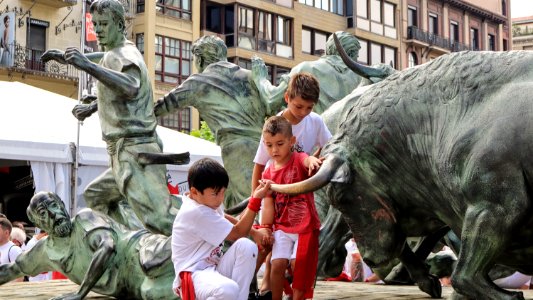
column 325, row 290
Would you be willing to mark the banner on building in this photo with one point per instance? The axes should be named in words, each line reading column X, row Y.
column 7, row 39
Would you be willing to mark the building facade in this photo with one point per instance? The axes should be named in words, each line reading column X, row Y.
column 401, row 33
column 523, row 33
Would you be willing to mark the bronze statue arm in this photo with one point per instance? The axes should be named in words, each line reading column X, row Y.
column 95, row 57
column 103, row 243
column 126, row 82
column 31, row 262
column 173, row 100
column 271, row 95
column 9, row 272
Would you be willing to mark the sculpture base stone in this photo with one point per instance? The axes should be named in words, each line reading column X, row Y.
column 324, row 290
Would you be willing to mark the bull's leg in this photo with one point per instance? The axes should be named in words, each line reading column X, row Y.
column 419, row 272
column 485, row 233
column 399, row 274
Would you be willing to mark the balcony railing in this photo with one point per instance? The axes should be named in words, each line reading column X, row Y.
column 29, row 60
column 434, row 40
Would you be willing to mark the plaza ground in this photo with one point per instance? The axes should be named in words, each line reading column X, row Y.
column 324, row 291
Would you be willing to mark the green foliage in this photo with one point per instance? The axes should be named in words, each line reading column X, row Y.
column 204, row 132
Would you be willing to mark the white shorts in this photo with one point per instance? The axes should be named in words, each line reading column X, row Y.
column 285, row 245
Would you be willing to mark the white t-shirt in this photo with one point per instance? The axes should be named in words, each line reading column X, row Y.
column 198, row 234
column 310, row 133
column 5, row 251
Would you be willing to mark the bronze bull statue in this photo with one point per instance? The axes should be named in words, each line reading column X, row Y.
column 442, row 144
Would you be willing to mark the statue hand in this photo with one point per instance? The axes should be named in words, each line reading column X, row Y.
column 259, row 69
column 54, row 54
column 72, row 296
column 82, row 111
column 74, row 57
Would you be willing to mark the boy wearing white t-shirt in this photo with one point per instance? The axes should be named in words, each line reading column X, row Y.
column 8, row 250
column 308, row 127
column 202, row 270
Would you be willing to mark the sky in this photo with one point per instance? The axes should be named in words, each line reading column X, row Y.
column 521, row 8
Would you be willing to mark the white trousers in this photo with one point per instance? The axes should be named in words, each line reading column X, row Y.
column 231, row 278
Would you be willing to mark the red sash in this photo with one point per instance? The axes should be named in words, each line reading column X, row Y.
column 187, row 286
column 306, row 263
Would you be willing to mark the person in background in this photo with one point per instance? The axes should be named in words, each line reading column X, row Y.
column 8, row 250
column 18, row 237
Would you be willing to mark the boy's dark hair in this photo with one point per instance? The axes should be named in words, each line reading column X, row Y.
column 207, row 173
column 278, row 124
column 304, row 85
column 6, row 224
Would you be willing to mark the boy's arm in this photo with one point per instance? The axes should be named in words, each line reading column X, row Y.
column 242, row 228
column 267, row 212
column 256, row 175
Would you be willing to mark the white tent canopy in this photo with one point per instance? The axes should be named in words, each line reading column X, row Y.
column 37, row 126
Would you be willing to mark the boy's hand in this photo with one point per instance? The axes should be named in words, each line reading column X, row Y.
column 314, row 164
column 263, row 237
column 263, row 189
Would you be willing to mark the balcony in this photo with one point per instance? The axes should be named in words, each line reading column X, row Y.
column 28, row 61
column 427, row 39
column 58, row 3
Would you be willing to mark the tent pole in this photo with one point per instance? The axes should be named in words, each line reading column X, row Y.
column 81, row 87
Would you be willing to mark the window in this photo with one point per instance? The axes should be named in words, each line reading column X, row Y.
column 504, row 7
column 388, row 13
column 492, row 42
column 362, row 8
column 334, row 6
column 474, row 39
column 36, row 46
column 363, row 52
column 172, row 59
column 389, row 56
column 413, row 59
column 375, row 54
column 274, row 72
column 314, row 41
column 412, row 16
column 140, row 6
column 375, row 10
column 263, row 31
column 179, row 120
column 284, row 31
column 213, row 17
column 175, row 8
column 433, row 24
column 505, row 45
column 454, row 31
column 139, row 42
column 246, row 28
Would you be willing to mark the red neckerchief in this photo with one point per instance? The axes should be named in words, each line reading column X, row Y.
column 306, row 263
column 187, row 287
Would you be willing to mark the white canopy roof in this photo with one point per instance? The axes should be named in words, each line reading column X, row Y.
column 37, row 125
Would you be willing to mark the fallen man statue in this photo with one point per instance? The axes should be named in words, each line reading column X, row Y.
column 444, row 143
column 95, row 252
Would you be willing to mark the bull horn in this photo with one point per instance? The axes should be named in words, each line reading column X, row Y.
column 324, row 175
column 359, row 69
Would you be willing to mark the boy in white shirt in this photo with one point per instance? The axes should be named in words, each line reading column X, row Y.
column 199, row 231
column 8, row 250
